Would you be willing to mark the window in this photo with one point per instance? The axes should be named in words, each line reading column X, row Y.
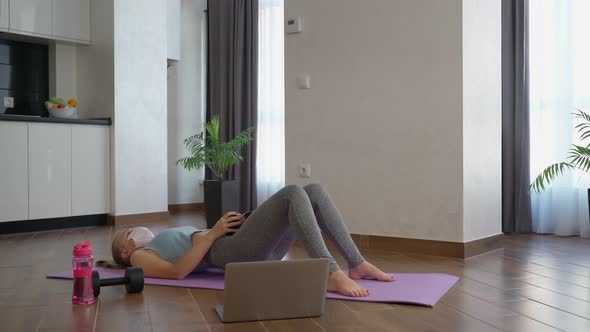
column 270, row 162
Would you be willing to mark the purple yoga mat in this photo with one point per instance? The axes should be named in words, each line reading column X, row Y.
column 411, row 288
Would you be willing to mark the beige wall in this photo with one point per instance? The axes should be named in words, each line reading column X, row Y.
column 62, row 71
column 482, row 119
column 96, row 66
column 382, row 124
column 95, row 69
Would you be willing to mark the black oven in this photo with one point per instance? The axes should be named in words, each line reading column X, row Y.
column 24, row 78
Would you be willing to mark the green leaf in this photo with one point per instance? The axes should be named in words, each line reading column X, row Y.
column 548, row 175
column 578, row 156
column 206, row 150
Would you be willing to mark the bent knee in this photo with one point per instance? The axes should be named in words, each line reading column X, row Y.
column 313, row 187
column 294, row 190
column 315, row 191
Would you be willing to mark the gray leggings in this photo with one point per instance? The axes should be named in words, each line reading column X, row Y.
column 293, row 213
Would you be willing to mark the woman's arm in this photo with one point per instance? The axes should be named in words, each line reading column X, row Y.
column 154, row 266
column 202, row 242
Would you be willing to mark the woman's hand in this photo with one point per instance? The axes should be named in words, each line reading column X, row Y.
column 223, row 225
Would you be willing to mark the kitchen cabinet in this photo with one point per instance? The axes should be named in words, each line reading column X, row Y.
column 31, row 17
column 14, row 194
column 50, row 170
column 90, row 170
column 66, row 20
column 71, row 19
column 4, row 15
column 173, row 29
column 53, row 170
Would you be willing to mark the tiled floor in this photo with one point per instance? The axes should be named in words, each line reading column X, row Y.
column 537, row 283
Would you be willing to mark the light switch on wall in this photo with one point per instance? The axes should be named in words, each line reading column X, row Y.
column 8, row 102
column 294, row 24
column 304, row 81
column 305, row 170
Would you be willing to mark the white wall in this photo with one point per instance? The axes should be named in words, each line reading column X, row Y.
column 381, row 126
column 482, row 119
column 186, row 103
column 140, row 106
column 173, row 21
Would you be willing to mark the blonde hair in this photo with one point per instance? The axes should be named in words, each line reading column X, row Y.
column 109, row 264
column 118, row 261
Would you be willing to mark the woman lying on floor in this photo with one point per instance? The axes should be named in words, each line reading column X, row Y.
column 291, row 214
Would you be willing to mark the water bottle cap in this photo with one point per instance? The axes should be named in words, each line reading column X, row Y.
column 83, row 249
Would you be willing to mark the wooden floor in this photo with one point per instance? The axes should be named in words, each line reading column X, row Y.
column 537, row 283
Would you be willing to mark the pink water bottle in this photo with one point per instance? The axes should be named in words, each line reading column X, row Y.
column 82, row 263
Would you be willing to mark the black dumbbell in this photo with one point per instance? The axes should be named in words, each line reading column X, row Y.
column 133, row 281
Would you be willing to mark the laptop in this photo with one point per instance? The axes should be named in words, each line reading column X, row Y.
column 274, row 290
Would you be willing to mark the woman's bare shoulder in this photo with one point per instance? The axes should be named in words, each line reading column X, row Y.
column 152, row 265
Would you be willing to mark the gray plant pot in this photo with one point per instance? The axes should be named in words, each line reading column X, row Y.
column 220, row 197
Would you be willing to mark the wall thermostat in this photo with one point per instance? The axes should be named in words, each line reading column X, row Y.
column 294, row 24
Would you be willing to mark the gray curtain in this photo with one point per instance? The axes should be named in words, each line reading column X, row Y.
column 233, row 82
column 516, row 202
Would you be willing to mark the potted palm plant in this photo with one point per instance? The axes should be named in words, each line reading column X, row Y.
column 206, row 149
column 578, row 158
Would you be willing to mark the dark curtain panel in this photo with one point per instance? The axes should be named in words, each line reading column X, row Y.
column 233, row 82
column 516, row 202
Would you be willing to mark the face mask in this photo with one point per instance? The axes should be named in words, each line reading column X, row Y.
column 141, row 236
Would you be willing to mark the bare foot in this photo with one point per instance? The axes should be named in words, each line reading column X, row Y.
column 368, row 270
column 340, row 283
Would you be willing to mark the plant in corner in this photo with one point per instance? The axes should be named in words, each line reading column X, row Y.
column 207, row 150
column 578, row 158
